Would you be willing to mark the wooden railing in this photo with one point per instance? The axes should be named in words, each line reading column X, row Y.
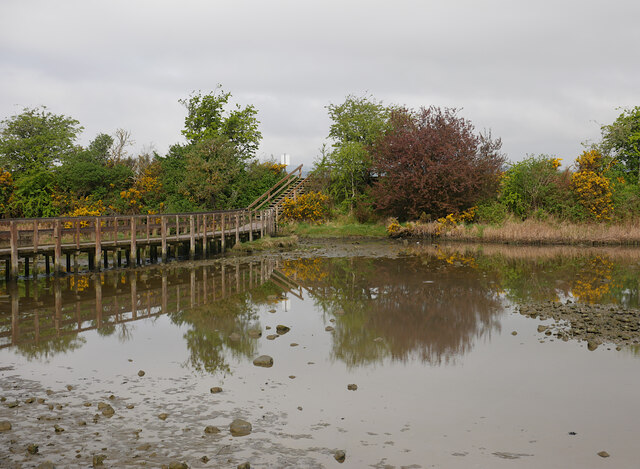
column 278, row 188
column 137, row 236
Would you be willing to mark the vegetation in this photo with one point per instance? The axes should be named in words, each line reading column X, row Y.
column 44, row 172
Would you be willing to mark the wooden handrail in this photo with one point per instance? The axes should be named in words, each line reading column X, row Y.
column 256, row 203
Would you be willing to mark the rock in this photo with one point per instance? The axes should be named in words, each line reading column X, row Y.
column 592, row 344
column 5, row 426
column 46, row 465
column 280, row 329
column 328, row 328
column 292, row 376
column 234, row 337
column 352, row 387
column 178, row 465
column 211, row 429
column 340, row 456
column 82, row 423
column 130, row 406
column 215, row 390
column 49, row 392
column 603, row 454
column 69, row 387
column 141, row 373
column 244, row 465
column 13, row 404
column 514, row 333
column 102, row 405
column 32, row 449
column 204, row 459
column 163, row 416
column 112, row 397
column 31, row 400
column 272, row 311
column 272, row 336
column 263, row 360
column 40, row 400
column 293, row 344
column 108, row 411
column 98, row 460
column 87, row 404
column 58, row 428
column 542, row 328
column 254, row 334
column 240, row 427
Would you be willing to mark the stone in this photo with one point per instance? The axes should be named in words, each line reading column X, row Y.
column 263, row 360
column 240, row 427
column 32, row 448
column 272, row 336
column 130, row 406
column 87, row 404
column 98, row 460
column 31, row 400
column 58, row 428
column 102, row 405
column 592, row 345
column 46, row 465
column 178, row 465
column 210, row 429
column 352, row 387
column 204, row 459
column 108, row 411
column 542, row 328
column 163, row 416
column 340, row 456
column 254, row 334
column 69, row 387
column 293, row 344
column 603, row 454
column 234, row 337
column 281, row 329
column 328, row 328
column 244, row 465
column 215, row 390
column 141, row 373
column 13, row 404
column 5, row 426
column 514, row 333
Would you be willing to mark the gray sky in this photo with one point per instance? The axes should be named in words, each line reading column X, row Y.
column 542, row 75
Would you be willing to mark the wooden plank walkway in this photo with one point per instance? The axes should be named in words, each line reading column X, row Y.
column 139, row 237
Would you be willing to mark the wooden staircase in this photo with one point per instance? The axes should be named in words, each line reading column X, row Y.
column 289, row 187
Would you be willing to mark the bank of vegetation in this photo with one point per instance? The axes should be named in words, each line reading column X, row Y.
column 385, row 170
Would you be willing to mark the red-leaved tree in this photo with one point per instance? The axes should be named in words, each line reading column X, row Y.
column 432, row 161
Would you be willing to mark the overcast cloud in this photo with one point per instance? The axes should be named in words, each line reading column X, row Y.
column 542, row 75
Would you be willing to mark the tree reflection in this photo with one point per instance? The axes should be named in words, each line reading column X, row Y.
column 399, row 309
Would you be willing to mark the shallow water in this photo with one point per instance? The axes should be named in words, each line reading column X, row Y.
column 426, row 334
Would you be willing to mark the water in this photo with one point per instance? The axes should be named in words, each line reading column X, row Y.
column 424, row 332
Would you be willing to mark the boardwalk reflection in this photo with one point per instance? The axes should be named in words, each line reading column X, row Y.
column 43, row 317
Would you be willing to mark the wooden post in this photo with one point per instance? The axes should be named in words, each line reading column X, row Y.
column 77, row 234
column 36, row 241
column 115, row 231
column 148, row 228
column 163, row 230
column 237, row 228
column 222, row 240
column 132, row 255
column 205, row 246
column 26, row 266
column 98, row 252
column 250, row 226
column 13, row 228
column 57, row 253
column 192, row 238
column 262, row 224
column 177, row 229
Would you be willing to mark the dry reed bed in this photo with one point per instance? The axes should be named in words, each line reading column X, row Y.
column 533, row 232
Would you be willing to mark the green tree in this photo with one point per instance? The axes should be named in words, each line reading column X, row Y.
column 36, row 139
column 357, row 123
column 207, row 117
column 621, row 140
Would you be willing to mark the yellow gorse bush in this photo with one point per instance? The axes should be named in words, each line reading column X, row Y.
column 6, row 189
column 591, row 186
column 453, row 219
column 393, row 228
column 312, row 206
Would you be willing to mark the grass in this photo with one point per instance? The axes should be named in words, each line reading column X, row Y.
column 342, row 227
column 534, row 232
column 267, row 244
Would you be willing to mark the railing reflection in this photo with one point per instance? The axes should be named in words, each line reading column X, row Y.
column 47, row 310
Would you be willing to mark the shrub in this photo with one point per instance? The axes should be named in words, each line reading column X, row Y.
column 494, row 213
column 312, row 206
column 591, row 186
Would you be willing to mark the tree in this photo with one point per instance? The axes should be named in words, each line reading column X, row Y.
column 621, row 140
column 432, row 161
column 207, row 118
column 357, row 123
column 36, row 139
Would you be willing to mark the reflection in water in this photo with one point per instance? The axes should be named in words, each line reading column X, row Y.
column 399, row 308
column 433, row 303
column 41, row 318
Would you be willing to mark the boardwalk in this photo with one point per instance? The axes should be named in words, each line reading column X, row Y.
column 31, row 245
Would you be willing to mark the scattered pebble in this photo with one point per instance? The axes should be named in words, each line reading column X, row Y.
column 340, row 456
column 603, row 454
column 141, row 373
column 215, row 390
column 163, row 416
column 352, row 387
column 32, row 448
column 328, row 329
column 264, row 361
column 240, row 427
